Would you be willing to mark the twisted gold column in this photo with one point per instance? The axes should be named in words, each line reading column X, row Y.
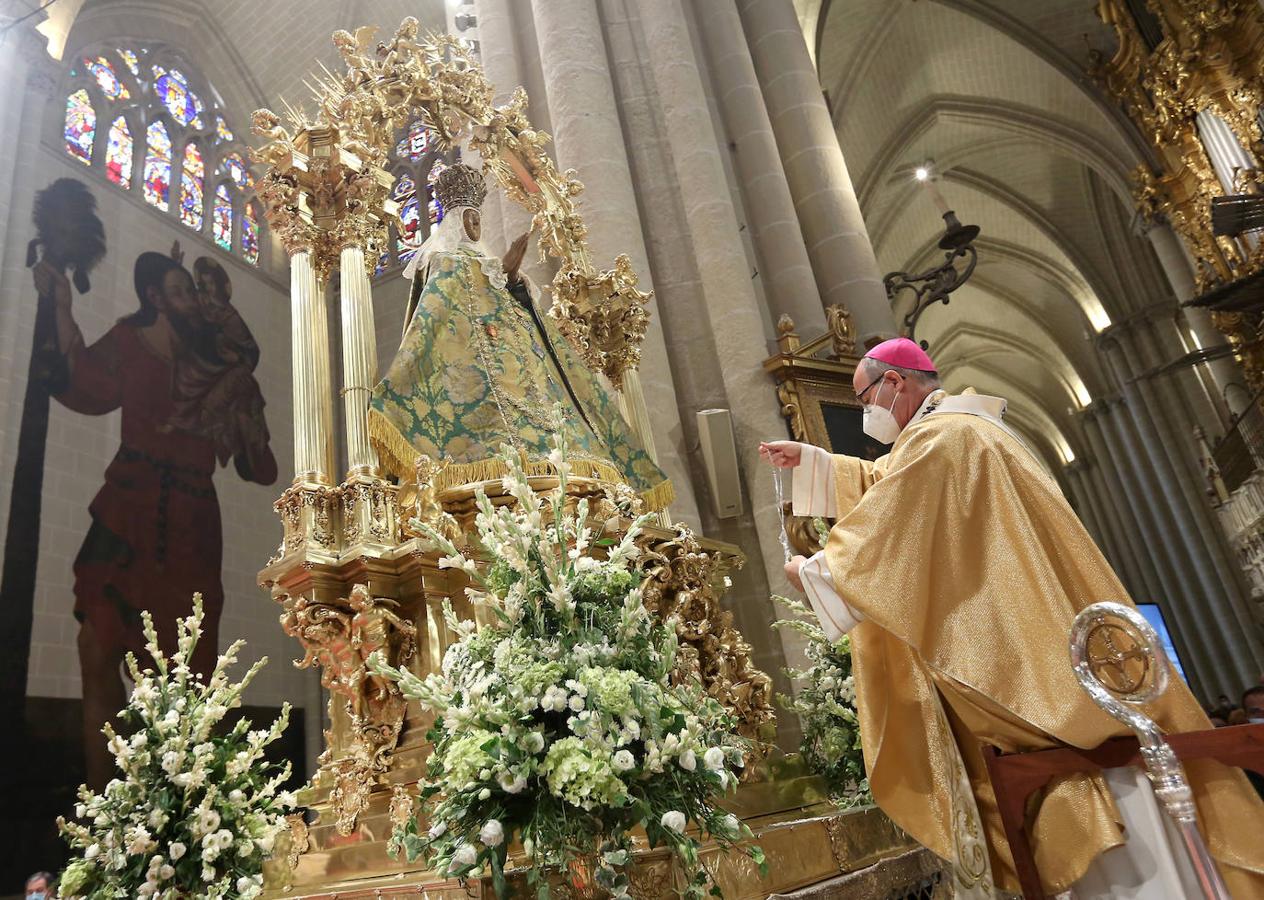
column 359, row 360
column 313, row 390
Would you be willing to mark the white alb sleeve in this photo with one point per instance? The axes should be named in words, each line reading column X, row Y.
column 812, row 490
column 836, row 617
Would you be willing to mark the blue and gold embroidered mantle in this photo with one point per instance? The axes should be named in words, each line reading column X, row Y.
column 475, row 371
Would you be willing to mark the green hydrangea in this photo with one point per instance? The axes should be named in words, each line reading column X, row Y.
column 581, row 778
column 465, row 757
column 610, row 690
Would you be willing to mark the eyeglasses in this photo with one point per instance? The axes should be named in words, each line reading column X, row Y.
column 877, row 381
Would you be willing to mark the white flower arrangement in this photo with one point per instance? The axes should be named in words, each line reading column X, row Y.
column 558, row 725
column 194, row 811
column 826, row 704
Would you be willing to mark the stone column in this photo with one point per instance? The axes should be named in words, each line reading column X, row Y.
column 359, row 360
column 589, row 137
column 1074, row 476
column 313, row 387
column 829, row 213
column 1218, row 374
column 1183, row 593
column 785, row 267
column 726, row 295
column 1182, row 489
column 1121, row 503
column 1123, row 559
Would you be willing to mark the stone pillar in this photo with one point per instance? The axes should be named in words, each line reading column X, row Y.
column 1184, row 596
column 785, row 267
column 1124, row 505
column 1073, row 474
column 1182, row 489
column 359, row 360
column 726, row 295
column 829, row 213
column 1126, row 564
column 1218, row 374
column 313, row 388
column 589, row 137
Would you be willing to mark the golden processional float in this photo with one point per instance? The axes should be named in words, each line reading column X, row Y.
column 351, row 576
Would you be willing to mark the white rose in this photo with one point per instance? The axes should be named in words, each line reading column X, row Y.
column 511, row 783
column 485, row 794
column 713, row 759
column 464, row 856
column 674, row 821
column 688, row 761
column 437, row 830
column 493, row 833
column 534, row 742
column 177, row 850
column 165, row 872
column 245, row 885
column 624, row 760
column 731, row 826
column 236, row 795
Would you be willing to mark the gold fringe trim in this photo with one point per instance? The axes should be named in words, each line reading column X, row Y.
column 398, row 457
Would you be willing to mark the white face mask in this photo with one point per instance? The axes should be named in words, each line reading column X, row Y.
column 880, row 423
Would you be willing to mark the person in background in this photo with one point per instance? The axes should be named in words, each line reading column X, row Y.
column 1222, row 708
column 37, row 886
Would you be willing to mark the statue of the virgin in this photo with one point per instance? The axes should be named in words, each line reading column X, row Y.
column 480, row 366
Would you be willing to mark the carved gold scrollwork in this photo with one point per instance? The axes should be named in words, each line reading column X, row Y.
column 300, row 841
column 681, row 580
column 326, row 187
column 339, row 637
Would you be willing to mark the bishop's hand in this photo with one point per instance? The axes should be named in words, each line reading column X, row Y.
column 513, row 257
column 782, row 454
column 51, row 283
column 794, row 571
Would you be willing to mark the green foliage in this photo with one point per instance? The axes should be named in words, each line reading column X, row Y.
column 557, row 724
column 192, row 812
column 826, row 704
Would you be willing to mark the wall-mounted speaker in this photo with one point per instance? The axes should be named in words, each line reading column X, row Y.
column 719, row 455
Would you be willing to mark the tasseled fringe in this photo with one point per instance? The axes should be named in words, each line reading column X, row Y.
column 398, row 458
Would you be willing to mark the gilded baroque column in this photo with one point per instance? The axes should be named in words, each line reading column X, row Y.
column 359, row 359
column 785, row 267
column 589, row 137
column 313, row 387
column 829, row 213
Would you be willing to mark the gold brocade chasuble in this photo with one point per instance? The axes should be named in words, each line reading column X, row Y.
column 968, row 567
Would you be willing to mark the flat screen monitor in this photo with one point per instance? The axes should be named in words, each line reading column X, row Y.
column 1154, row 616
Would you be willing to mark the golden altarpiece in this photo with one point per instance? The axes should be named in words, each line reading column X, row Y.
column 351, row 579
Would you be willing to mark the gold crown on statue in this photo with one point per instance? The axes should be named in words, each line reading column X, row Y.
column 459, row 185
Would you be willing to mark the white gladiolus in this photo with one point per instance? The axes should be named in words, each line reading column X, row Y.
column 674, row 821
column 492, row 834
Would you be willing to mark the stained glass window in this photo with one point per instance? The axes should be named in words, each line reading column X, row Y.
column 106, row 78
column 405, row 193
column 131, row 59
column 191, row 187
column 250, row 234
column 434, row 207
column 157, row 165
column 81, row 126
column 172, row 89
column 235, row 168
column 414, row 144
column 221, row 129
column 118, row 154
column 222, row 217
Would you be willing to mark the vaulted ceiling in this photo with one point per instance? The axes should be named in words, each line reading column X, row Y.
column 995, row 98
